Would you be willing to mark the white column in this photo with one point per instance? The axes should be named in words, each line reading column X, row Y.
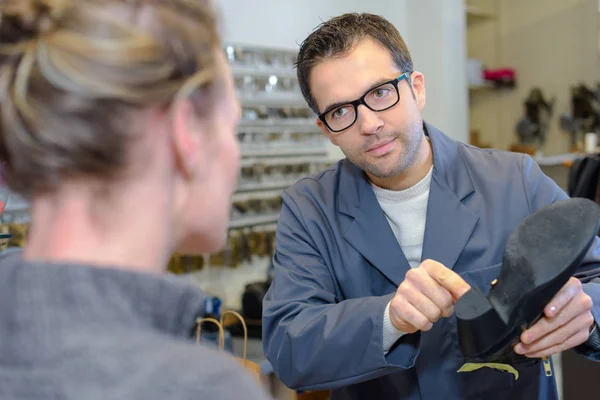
column 437, row 41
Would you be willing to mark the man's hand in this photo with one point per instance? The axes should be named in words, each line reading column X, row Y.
column 427, row 294
column 566, row 323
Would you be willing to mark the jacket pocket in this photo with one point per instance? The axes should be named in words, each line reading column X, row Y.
column 489, row 384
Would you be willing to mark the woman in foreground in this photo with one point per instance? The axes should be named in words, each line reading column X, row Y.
column 117, row 121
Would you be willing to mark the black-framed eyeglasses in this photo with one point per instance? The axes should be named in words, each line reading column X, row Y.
column 383, row 97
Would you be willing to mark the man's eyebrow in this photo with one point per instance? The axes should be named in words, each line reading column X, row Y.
column 341, row 103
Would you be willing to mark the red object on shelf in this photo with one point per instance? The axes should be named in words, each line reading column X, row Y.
column 501, row 77
column 499, row 73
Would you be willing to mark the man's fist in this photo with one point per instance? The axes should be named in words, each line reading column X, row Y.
column 427, row 294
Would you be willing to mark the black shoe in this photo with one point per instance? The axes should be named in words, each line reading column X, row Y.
column 541, row 254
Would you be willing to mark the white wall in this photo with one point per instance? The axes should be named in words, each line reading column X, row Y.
column 285, row 23
column 433, row 29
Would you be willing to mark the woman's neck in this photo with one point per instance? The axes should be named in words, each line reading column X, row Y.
column 78, row 226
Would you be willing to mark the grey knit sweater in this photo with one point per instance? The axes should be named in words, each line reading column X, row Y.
column 76, row 332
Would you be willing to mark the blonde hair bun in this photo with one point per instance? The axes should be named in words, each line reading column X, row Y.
column 22, row 20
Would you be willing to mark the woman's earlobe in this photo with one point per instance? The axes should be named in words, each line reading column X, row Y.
column 185, row 138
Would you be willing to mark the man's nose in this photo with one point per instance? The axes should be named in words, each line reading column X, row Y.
column 369, row 121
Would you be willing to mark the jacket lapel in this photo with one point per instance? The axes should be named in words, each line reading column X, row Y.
column 449, row 223
column 369, row 232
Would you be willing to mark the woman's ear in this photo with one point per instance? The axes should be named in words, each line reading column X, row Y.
column 186, row 134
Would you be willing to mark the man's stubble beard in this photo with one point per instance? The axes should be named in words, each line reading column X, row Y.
column 409, row 149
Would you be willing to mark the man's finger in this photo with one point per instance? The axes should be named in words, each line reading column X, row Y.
column 546, row 325
column 424, row 305
column 406, row 318
column 424, row 283
column 541, row 328
column 558, row 336
column 447, row 278
column 447, row 312
column 562, row 298
column 573, row 341
column 579, row 305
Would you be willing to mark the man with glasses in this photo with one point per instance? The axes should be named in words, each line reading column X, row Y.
column 372, row 254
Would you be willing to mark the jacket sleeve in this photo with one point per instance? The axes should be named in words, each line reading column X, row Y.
column 312, row 338
column 542, row 191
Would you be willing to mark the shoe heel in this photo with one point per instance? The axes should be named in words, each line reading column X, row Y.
column 478, row 323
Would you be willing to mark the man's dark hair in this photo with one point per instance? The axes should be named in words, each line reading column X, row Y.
column 338, row 36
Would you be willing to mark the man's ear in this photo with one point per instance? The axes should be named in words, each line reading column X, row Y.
column 418, row 86
column 185, row 136
column 326, row 132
